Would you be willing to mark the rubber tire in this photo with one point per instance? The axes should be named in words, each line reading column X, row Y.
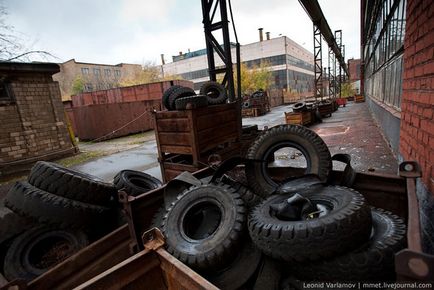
column 135, row 182
column 72, row 184
column 198, row 101
column 374, row 261
column 316, row 153
column 47, row 208
column 166, row 94
column 269, row 275
column 299, row 107
column 181, row 92
column 214, row 251
column 157, row 219
column 17, row 264
column 12, row 224
column 215, row 92
column 342, row 229
column 250, row 199
column 239, row 271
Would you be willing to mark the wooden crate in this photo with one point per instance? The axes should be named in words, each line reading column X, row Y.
column 298, row 118
column 326, row 109
column 250, row 112
column 359, row 98
column 195, row 134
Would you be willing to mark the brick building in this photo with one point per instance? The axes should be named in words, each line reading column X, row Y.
column 95, row 76
column 398, row 81
column 32, row 120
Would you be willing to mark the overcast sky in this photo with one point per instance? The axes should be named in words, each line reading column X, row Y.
column 138, row 31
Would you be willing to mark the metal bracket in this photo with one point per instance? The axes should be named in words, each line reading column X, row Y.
column 125, row 199
column 412, row 263
column 153, row 239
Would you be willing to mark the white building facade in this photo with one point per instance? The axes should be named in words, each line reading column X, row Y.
column 291, row 65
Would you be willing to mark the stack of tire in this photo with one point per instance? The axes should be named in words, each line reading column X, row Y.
column 239, row 236
column 69, row 209
column 183, row 98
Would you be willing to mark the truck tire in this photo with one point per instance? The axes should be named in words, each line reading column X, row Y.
column 312, row 147
column 72, row 184
column 12, row 224
column 47, row 208
column 198, row 101
column 299, row 107
column 250, row 199
column 239, row 271
column 205, row 225
column 181, row 92
column 135, row 182
column 37, row 250
column 166, row 94
column 215, row 92
column 345, row 224
column 373, row 261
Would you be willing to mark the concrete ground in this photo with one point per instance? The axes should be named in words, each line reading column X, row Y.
column 350, row 130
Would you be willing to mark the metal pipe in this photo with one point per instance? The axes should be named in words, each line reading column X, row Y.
column 261, row 35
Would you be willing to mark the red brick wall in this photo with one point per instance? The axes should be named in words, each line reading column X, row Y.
column 417, row 123
column 34, row 124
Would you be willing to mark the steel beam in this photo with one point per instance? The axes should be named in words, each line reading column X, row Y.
column 338, row 37
column 317, row 47
column 211, row 26
column 332, row 74
column 314, row 11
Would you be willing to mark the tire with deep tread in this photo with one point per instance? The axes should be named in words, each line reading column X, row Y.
column 157, row 219
column 314, row 149
column 47, row 208
column 247, row 195
column 181, row 92
column 224, row 233
column 135, row 182
column 166, row 95
column 72, row 184
column 20, row 262
column 239, row 271
column 373, row 261
column 198, row 101
column 343, row 228
column 215, row 92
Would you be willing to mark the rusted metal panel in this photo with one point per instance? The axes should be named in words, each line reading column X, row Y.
column 114, row 120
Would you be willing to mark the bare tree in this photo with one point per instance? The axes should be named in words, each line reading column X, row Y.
column 12, row 47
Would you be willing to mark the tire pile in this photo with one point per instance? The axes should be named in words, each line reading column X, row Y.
column 69, row 209
column 183, row 98
column 273, row 235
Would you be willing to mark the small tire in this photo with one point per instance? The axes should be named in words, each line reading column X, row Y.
column 346, row 224
column 72, row 184
column 181, row 92
column 37, row 250
column 299, row 107
column 239, row 271
column 47, row 208
column 135, row 182
column 373, row 261
column 215, row 92
column 166, row 95
column 312, row 147
column 205, row 225
column 192, row 102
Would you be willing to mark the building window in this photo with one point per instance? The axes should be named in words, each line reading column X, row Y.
column 96, row 71
column 117, row 73
column 88, row 87
column 85, row 70
column 107, row 72
column 5, row 92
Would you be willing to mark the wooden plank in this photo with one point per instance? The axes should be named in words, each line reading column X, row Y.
column 213, row 137
column 174, row 138
column 179, row 276
column 173, row 125
column 171, row 114
column 87, row 263
column 210, row 110
column 212, row 121
column 176, row 149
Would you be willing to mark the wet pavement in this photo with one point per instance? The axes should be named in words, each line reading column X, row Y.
column 351, row 130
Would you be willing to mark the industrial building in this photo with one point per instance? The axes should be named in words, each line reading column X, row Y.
column 94, row 76
column 398, row 81
column 291, row 65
